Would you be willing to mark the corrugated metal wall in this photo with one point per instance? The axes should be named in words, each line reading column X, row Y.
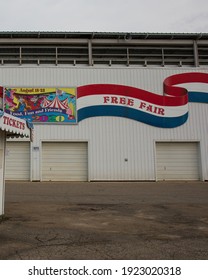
column 118, row 148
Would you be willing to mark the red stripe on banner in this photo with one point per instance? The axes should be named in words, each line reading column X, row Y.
column 113, row 89
column 170, row 82
column 173, row 96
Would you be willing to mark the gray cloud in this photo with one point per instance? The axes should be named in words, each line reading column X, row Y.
column 108, row 15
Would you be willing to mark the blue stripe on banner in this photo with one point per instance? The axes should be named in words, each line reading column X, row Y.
column 201, row 97
column 119, row 111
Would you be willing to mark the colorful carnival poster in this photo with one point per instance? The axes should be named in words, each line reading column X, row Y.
column 41, row 105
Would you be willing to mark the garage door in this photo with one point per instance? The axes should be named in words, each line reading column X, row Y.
column 177, row 161
column 17, row 161
column 64, row 161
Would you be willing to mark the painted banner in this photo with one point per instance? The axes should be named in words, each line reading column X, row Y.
column 45, row 105
column 167, row 111
column 71, row 105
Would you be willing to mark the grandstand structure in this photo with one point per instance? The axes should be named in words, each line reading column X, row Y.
column 100, row 48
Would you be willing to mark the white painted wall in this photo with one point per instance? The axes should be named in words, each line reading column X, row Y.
column 119, row 148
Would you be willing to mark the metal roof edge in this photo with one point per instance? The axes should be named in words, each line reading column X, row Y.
column 103, row 35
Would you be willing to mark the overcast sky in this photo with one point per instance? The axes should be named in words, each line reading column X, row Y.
column 105, row 16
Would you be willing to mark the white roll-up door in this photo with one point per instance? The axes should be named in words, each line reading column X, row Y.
column 177, row 161
column 17, row 161
column 64, row 161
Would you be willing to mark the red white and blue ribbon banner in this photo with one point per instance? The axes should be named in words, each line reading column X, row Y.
column 167, row 111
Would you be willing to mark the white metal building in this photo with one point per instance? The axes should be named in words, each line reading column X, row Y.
column 109, row 146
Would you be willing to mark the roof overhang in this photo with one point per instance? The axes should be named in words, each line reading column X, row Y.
column 14, row 127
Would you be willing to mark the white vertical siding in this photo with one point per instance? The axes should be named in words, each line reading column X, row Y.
column 119, row 148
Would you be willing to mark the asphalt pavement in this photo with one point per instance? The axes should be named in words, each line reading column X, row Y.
column 105, row 220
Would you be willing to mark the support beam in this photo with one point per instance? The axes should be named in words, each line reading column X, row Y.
column 196, row 54
column 90, row 53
